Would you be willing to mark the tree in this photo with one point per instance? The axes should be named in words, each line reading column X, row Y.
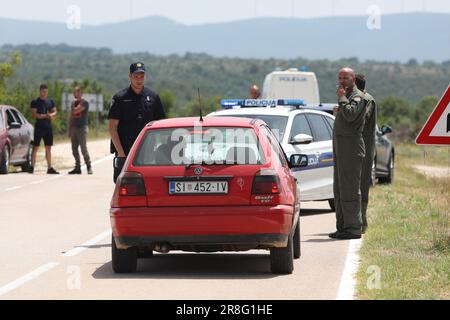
column 168, row 100
column 422, row 111
column 7, row 69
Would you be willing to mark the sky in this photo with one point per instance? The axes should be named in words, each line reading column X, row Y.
column 190, row 12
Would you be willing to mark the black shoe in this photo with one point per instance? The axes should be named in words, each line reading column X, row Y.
column 333, row 235
column 347, row 236
column 31, row 169
column 76, row 170
column 52, row 171
column 89, row 170
column 364, row 229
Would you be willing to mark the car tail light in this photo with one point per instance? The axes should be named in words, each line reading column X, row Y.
column 266, row 188
column 130, row 191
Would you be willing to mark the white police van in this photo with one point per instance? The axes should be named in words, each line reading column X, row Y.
column 292, row 84
column 305, row 129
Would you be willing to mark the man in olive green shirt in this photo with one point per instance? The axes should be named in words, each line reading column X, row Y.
column 348, row 153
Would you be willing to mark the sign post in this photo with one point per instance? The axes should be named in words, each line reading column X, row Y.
column 436, row 130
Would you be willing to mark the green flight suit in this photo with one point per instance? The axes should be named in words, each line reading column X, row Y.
column 348, row 153
column 369, row 132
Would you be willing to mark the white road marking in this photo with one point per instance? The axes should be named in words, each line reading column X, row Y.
column 28, row 277
column 37, row 182
column 13, row 188
column 56, row 177
column 348, row 280
column 87, row 244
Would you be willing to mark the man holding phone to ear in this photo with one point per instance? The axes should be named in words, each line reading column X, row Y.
column 131, row 109
column 348, row 154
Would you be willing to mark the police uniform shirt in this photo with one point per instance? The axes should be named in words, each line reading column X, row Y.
column 133, row 112
column 43, row 107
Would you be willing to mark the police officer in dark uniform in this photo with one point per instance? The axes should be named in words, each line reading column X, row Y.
column 131, row 109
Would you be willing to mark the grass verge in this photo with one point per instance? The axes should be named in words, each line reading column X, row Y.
column 406, row 252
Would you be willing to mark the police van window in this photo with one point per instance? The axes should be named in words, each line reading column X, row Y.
column 330, row 121
column 10, row 117
column 16, row 115
column 300, row 125
column 320, row 128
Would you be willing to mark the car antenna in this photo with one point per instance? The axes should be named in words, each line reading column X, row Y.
column 200, row 104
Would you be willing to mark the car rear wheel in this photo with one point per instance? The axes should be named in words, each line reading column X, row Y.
column 331, row 203
column 123, row 261
column 282, row 259
column 297, row 249
column 390, row 177
column 4, row 161
column 373, row 174
column 26, row 166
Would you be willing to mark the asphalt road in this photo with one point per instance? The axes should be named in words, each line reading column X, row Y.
column 55, row 244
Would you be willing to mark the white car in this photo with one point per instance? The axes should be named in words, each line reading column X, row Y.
column 300, row 130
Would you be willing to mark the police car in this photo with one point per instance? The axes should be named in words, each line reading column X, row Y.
column 301, row 128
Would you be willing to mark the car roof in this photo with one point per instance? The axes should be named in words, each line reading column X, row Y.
column 207, row 121
column 5, row 106
column 279, row 111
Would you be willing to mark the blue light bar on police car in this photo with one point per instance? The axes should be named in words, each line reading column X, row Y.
column 267, row 103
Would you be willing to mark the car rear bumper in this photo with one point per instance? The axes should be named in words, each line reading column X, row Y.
column 247, row 225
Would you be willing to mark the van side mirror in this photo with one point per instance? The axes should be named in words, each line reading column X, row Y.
column 298, row 161
column 301, row 138
column 385, row 129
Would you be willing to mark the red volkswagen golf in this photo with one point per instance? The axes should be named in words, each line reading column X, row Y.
column 206, row 185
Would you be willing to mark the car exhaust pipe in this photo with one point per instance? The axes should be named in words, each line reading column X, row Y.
column 162, row 247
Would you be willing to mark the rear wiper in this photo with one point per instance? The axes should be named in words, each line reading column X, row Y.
column 203, row 163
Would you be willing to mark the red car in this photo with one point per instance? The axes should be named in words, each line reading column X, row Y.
column 16, row 135
column 220, row 184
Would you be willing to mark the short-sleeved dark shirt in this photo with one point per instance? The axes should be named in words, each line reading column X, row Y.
column 82, row 120
column 43, row 107
column 134, row 112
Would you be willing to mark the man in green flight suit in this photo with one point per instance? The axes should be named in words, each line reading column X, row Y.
column 348, row 153
column 369, row 132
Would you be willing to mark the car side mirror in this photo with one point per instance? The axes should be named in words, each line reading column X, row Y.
column 385, row 129
column 298, row 161
column 301, row 138
column 15, row 125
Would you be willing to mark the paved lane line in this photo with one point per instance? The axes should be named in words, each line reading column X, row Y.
column 27, row 278
column 87, row 244
column 348, row 280
column 13, row 188
column 56, row 177
column 37, row 182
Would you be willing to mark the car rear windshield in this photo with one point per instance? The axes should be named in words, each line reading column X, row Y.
column 203, row 145
column 276, row 123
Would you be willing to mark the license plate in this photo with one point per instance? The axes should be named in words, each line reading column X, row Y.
column 198, row 187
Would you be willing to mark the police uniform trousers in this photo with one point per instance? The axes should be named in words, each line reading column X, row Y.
column 348, row 154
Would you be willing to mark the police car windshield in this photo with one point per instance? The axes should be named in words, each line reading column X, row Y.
column 276, row 123
column 203, row 145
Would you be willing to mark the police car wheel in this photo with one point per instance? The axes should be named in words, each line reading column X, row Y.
column 297, row 249
column 282, row 259
column 26, row 166
column 390, row 177
column 4, row 161
column 123, row 261
column 373, row 174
